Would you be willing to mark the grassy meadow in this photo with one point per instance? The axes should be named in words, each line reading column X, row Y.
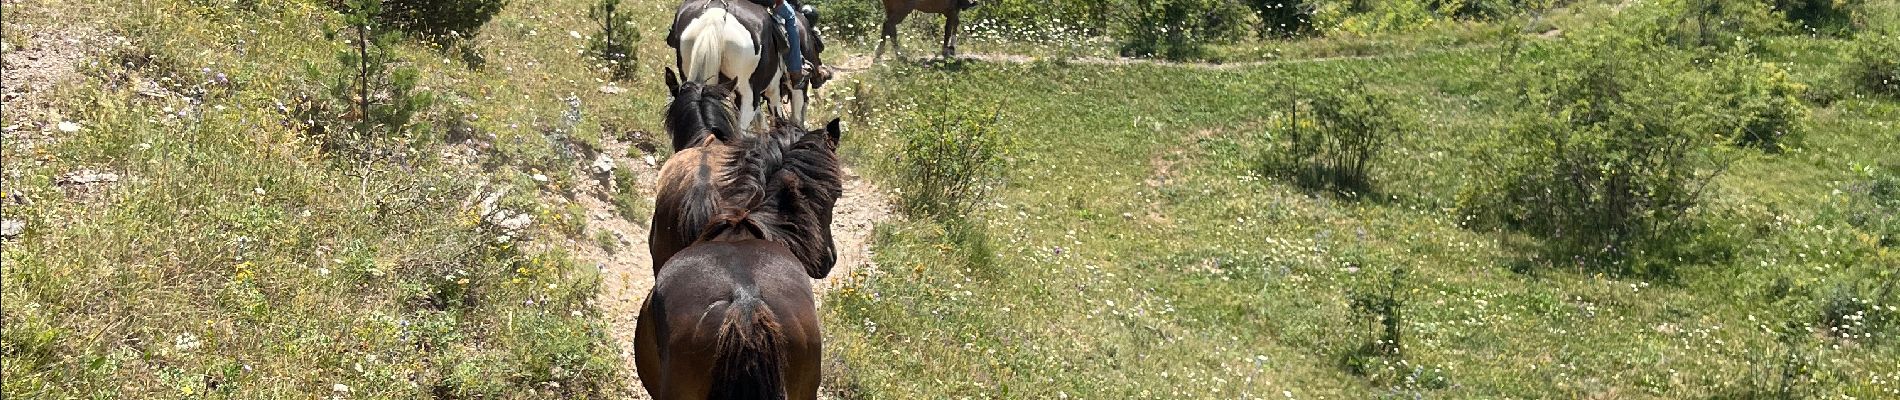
column 1131, row 230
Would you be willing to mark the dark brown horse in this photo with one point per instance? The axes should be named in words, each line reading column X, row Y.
column 732, row 316
column 700, row 125
column 896, row 10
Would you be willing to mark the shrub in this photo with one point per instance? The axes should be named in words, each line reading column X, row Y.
column 1852, row 313
column 1283, row 18
column 1362, row 17
column 1177, row 29
column 849, row 19
column 1608, row 154
column 1876, row 66
column 951, row 159
column 1825, row 16
column 370, row 108
column 1763, row 104
column 1335, row 137
column 1474, row 9
column 1721, row 24
column 617, row 43
column 440, row 19
column 1875, row 204
column 1041, row 19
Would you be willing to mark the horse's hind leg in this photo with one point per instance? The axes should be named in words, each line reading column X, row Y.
column 772, row 100
column 748, row 106
column 798, row 106
column 950, row 34
column 891, row 19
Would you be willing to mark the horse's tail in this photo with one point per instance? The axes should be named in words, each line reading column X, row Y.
column 708, row 50
column 748, row 363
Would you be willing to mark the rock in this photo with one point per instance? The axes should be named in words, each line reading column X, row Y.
column 649, row 159
column 68, row 126
column 611, row 89
column 12, row 228
column 511, row 221
column 539, row 178
column 87, row 177
column 604, row 165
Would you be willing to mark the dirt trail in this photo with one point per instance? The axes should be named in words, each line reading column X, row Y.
column 48, row 58
column 626, row 273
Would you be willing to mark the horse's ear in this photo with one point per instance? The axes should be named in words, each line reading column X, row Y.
column 833, row 132
column 672, row 81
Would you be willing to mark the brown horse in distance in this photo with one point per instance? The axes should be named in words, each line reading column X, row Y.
column 896, row 10
column 732, row 315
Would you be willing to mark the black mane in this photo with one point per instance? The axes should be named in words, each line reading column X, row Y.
column 699, row 110
column 782, row 187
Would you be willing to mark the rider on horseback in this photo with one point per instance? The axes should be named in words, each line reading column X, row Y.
column 786, row 14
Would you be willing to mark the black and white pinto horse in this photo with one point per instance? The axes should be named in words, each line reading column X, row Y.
column 737, row 39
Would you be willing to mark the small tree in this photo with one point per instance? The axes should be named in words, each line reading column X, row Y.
column 1609, row 154
column 1335, row 136
column 616, row 44
column 951, row 160
column 1178, row 29
column 370, row 103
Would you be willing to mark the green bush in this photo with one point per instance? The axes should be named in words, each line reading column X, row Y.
column 1178, row 29
column 1283, row 18
column 951, row 159
column 848, row 19
column 1608, row 154
column 440, row 19
column 1874, row 205
column 1721, row 24
column 617, row 44
column 367, row 109
column 1362, row 17
column 1041, row 19
column 1825, row 16
column 1333, row 137
column 1474, row 9
column 1763, row 104
column 1876, row 66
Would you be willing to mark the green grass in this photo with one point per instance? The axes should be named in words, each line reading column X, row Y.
column 1137, row 253
column 234, row 260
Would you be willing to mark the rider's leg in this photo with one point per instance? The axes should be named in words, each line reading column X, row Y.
column 794, row 42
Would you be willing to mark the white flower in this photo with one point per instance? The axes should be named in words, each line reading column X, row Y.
column 186, row 342
column 340, row 388
column 576, row 35
column 68, row 126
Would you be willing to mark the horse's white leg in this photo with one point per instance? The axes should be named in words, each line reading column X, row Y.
column 798, row 106
column 772, row 100
column 746, row 110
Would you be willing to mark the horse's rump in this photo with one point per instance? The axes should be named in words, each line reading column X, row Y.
column 748, row 356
